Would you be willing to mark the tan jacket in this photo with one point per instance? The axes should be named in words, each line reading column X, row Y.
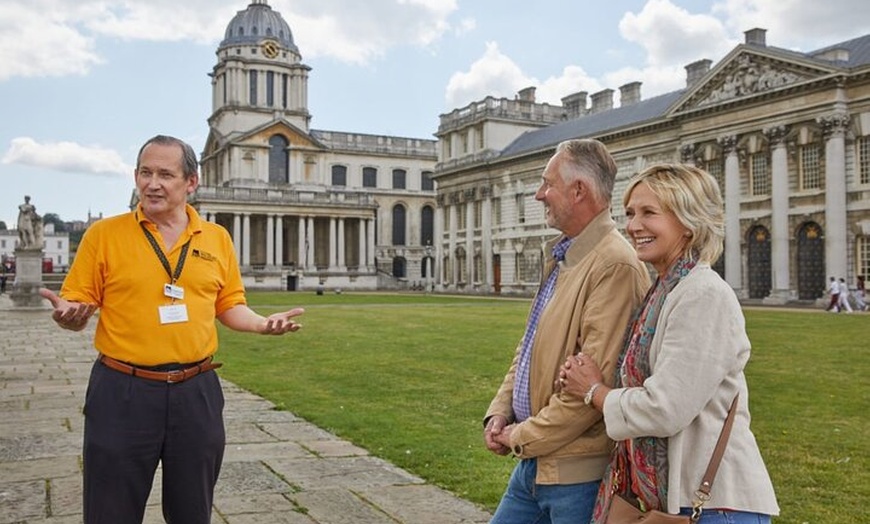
column 600, row 283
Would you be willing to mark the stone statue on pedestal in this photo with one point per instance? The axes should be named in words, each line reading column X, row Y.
column 29, row 226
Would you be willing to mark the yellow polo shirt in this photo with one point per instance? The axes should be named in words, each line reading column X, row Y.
column 116, row 268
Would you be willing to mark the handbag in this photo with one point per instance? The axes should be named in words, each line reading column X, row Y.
column 622, row 511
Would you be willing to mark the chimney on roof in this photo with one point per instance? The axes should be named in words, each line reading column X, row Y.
column 602, row 101
column 629, row 94
column 696, row 71
column 575, row 104
column 756, row 36
column 527, row 94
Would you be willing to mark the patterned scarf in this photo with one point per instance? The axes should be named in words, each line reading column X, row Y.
column 639, row 467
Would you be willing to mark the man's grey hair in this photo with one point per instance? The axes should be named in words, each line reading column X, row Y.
column 590, row 160
column 189, row 163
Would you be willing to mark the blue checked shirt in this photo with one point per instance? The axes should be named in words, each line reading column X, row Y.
column 522, row 404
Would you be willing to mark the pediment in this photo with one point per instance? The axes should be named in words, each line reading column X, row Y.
column 745, row 75
column 295, row 136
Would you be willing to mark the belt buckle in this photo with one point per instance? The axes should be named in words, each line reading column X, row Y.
column 175, row 376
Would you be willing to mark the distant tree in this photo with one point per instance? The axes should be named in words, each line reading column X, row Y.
column 53, row 218
column 3, row 226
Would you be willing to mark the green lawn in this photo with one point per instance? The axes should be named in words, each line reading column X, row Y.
column 408, row 377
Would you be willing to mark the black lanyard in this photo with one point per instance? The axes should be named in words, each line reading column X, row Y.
column 163, row 260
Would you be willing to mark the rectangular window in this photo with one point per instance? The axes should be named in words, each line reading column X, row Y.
column 714, row 167
column 464, row 139
column 339, row 175
column 446, row 215
column 399, row 176
column 460, row 217
column 521, row 208
column 496, row 211
column 810, row 168
column 862, row 245
column 252, row 85
column 426, row 182
column 478, row 214
column 60, row 244
column 759, row 176
column 270, row 88
column 479, row 134
column 448, row 147
column 284, row 90
column 863, row 147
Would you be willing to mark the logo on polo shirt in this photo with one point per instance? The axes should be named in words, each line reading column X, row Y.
column 205, row 255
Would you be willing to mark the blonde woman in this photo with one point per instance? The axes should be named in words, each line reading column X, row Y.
column 682, row 364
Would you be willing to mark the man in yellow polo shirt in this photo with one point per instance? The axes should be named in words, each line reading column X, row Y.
column 159, row 275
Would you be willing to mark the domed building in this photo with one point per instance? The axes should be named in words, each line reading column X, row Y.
column 307, row 208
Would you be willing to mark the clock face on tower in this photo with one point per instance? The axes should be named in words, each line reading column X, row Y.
column 270, row 48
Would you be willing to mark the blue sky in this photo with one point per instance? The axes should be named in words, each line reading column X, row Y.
column 83, row 83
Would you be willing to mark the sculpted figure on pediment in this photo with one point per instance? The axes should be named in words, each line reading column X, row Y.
column 749, row 77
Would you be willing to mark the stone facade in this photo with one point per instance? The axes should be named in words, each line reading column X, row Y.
column 787, row 135
column 307, row 208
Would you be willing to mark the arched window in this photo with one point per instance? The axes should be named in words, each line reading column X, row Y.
column 339, row 175
column 427, row 226
column 398, row 225
column 279, row 160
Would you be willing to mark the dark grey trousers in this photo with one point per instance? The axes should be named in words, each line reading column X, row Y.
column 131, row 425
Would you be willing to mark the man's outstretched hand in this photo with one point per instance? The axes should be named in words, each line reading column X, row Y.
column 68, row 315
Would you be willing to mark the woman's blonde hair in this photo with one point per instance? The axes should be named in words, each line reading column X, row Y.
column 692, row 195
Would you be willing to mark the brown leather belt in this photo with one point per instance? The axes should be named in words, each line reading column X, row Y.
column 170, row 377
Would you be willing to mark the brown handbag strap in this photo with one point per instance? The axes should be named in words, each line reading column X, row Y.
column 718, row 451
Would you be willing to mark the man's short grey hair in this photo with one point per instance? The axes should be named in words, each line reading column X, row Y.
column 189, row 163
column 590, row 160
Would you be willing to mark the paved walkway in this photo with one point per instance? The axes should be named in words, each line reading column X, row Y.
column 277, row 468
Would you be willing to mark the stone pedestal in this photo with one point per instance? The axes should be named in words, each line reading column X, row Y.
column 28, row 279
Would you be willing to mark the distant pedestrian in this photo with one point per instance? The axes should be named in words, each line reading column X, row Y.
column 3, row 277
column 843, row 298
column 834, row 290
column 860, row 294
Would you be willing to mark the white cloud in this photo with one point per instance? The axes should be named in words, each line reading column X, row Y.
column 33, row 44
column 361, row 32
column 68, row 157
column 493, row 74
column 798, row 24
column 58, row 37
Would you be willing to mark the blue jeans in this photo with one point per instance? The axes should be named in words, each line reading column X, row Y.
column 716, row 516
column 525, row 502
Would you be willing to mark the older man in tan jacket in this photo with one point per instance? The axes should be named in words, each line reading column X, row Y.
column 591, row 283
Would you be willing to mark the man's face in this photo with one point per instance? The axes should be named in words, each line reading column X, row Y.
column 556, row 195
column 160, row 180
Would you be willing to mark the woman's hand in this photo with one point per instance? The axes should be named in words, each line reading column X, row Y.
column 578, row 374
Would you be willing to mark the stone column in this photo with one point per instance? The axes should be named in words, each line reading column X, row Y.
column 302, row 245
column 370, row 252
column 486, row 241
column 834, row 130
column 237, row 236
column 342, row 260
column 361, row 245
column 270, row 240
column 780, row 294
column 333, row 252
column 469, row 241
column 437, row 239
column 309, row 253
column 733, row 264
column 246, row 239
column 451, row 246
column 279, row 241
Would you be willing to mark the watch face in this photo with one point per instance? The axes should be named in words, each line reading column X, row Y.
column 270, row 49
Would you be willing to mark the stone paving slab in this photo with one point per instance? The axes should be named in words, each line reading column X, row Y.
column 278, row 468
